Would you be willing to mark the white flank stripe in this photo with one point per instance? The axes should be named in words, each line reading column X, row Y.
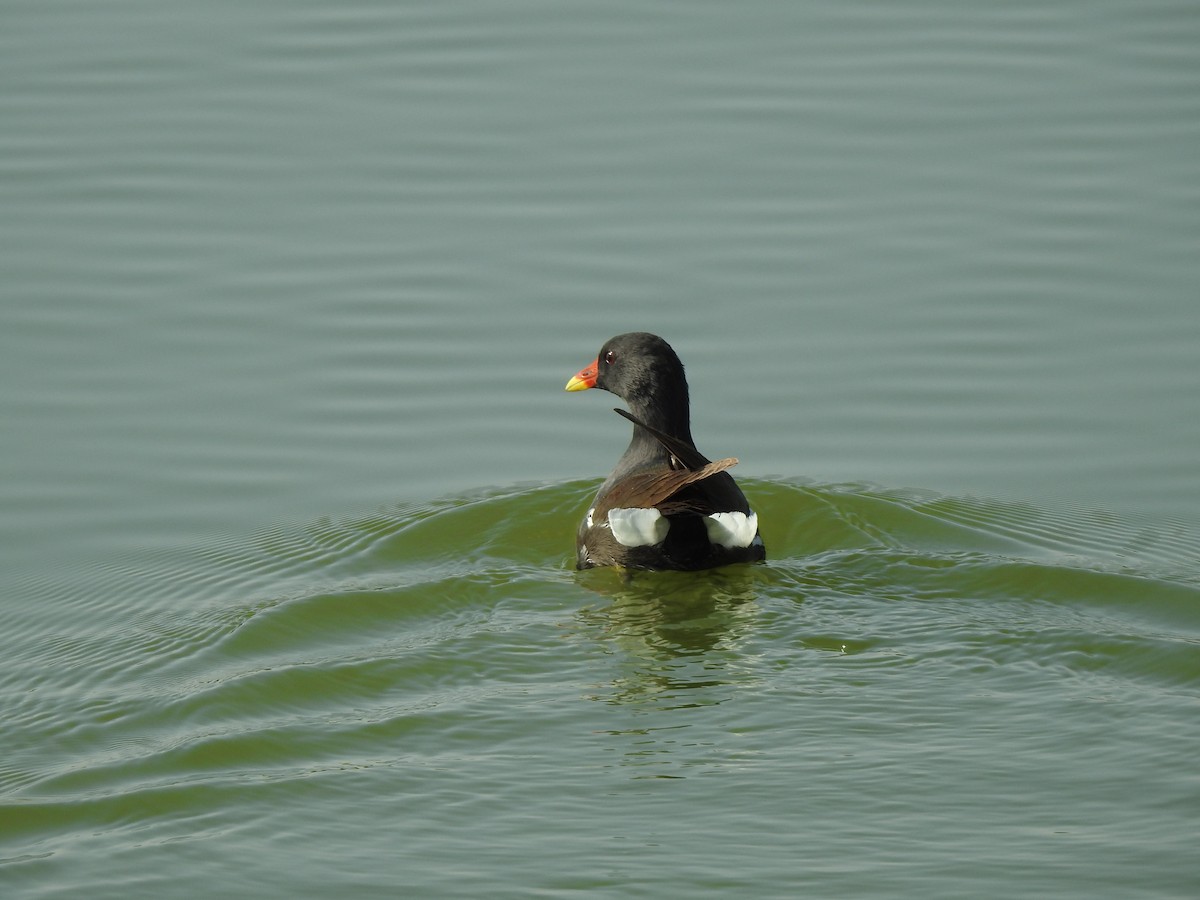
column 731, row 529
column 638, row 527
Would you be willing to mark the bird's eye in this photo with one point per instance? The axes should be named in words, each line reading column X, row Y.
column 609, row 357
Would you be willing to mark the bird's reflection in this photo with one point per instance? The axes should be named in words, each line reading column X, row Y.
column 678, row 633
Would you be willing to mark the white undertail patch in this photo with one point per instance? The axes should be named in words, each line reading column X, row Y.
column 731, row 529
column 638, row 527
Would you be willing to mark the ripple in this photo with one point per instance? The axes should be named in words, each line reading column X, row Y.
column 431, row 637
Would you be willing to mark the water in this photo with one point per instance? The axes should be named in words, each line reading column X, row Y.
column 288, row 482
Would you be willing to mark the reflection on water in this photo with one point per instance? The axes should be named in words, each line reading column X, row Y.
column 681, row 633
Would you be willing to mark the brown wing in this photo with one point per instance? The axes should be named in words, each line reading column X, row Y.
column 655, row 489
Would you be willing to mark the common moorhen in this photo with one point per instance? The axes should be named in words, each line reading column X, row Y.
column 665, row 506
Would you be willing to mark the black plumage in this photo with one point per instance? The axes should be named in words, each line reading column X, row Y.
column 661, row 470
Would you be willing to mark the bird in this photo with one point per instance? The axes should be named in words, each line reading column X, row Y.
column 665, row 505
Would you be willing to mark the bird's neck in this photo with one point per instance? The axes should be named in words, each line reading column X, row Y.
column 673, row 420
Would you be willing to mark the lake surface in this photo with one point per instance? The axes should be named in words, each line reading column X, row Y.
column 289, row 483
